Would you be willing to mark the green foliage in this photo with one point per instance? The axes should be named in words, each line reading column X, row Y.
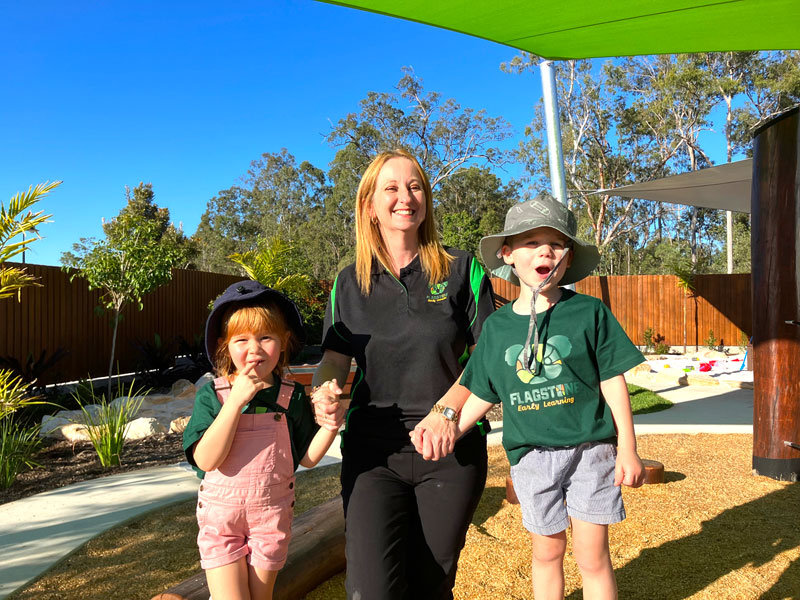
column 711, row 340
column 277, row 264
column 654, row 342
column 444, row 136
column 137, row 256
column 18, row 445
column 14, row 222
column 107, row 421
column 644, row 401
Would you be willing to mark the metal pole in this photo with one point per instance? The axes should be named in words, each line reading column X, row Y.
column 551, row 118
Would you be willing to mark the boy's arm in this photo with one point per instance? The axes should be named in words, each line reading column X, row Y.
column 329, row 379
column 629, row 469
column 473, row 411
column 319, row 445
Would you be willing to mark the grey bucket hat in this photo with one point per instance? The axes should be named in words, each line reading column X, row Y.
column 250, row 293
column 542, row 211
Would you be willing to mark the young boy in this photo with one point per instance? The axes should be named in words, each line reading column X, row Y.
column 556, row 359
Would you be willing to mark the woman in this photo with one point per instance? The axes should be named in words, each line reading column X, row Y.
column 409, row 312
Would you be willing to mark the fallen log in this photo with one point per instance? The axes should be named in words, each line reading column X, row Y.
column 316, row 553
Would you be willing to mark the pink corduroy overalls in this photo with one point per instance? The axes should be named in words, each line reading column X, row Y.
column 244, row 507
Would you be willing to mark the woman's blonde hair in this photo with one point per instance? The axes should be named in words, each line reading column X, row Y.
column 433, row 257
column 262, row 317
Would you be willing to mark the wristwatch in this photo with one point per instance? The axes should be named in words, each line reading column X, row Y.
column 447, row 412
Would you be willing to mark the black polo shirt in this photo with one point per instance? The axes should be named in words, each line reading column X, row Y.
column 410, row 341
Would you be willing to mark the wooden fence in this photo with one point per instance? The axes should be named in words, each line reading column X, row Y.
column 720, row 303
column 63, row 315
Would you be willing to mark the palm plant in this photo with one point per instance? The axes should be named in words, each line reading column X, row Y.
column 17, row 445
column 271, row 264
column 15, row 222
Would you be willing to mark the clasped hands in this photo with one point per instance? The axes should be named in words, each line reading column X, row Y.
column 434, row 437
column 329, row 408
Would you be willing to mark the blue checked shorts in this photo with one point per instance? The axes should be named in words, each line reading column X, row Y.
column 553, row 484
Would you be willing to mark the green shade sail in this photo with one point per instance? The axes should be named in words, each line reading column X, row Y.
column 597, row 28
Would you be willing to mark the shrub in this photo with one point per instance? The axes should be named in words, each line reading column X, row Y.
column 17, row 447
column 107, row 422
column 711, row 340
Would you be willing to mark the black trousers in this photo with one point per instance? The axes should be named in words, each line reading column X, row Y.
column 406, row 519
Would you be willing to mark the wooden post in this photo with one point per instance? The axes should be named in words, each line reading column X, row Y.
column 776, row 294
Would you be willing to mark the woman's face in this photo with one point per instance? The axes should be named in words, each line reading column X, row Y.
column 399, row 198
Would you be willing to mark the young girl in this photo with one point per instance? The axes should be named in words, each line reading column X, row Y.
column 248, row 432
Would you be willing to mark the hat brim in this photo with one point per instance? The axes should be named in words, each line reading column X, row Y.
column 293, row 319
column 585, row 257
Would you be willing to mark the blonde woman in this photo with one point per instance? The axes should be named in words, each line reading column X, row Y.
column 409, row 311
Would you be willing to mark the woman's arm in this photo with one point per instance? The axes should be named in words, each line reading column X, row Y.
column 435, row 436
column 330, row 377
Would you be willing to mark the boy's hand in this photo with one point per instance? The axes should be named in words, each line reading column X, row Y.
column 629, row 469
column 328, row 410
column 246, row 385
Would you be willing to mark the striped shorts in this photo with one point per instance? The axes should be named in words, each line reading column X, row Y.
column 553, row 484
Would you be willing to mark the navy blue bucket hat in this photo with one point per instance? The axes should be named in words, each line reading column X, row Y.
column 253, row 293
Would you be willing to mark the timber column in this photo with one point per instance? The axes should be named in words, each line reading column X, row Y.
column 775, row 248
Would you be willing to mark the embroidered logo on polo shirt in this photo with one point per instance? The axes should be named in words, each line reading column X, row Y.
column 438, row 292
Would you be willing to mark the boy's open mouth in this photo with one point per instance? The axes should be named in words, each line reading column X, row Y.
column 543, row 270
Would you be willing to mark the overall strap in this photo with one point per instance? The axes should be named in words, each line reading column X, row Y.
column 223, row 388
column 285, row 394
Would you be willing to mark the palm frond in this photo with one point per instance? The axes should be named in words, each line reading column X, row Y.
column 13, row 279
column 13, row 222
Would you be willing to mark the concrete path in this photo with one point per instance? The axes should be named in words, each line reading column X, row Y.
column 39, row 531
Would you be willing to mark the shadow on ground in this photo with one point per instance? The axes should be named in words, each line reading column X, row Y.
column 766, row 528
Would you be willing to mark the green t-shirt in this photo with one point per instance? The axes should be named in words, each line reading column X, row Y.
column 580, row 345
column 300, row 418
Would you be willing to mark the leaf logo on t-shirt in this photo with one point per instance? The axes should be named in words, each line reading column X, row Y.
column 551, row 356
column 438, row 292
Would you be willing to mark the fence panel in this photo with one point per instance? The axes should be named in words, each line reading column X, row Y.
column 61, row 314
column 720, row 305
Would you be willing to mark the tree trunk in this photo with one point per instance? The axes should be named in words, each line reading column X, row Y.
column 113, row 349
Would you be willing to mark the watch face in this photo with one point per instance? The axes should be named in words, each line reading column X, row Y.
column 449, row 413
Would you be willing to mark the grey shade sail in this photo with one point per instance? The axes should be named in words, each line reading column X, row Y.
column 725, row 187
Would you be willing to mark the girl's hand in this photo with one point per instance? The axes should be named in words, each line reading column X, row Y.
column 629, row 469
column 328, row 410
column 246, row 385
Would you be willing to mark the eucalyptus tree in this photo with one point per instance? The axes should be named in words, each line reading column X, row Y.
column 674, row 96
column 274, row 198
column 604, row 146
column 444, row 136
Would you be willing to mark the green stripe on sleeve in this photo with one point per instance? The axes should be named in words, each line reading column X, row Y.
column 333, row 308
column 476, row 275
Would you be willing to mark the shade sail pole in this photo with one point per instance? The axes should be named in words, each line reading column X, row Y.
column 553, row 125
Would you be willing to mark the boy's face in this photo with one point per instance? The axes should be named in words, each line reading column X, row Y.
column 534, row 255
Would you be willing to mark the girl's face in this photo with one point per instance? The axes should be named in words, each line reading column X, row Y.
column 260, row 349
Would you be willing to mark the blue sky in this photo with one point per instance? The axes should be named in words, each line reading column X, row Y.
column 104, row 94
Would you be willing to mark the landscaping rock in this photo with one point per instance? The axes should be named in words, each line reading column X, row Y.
column 178, row 425
column 158, row 413
column 143, row 427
